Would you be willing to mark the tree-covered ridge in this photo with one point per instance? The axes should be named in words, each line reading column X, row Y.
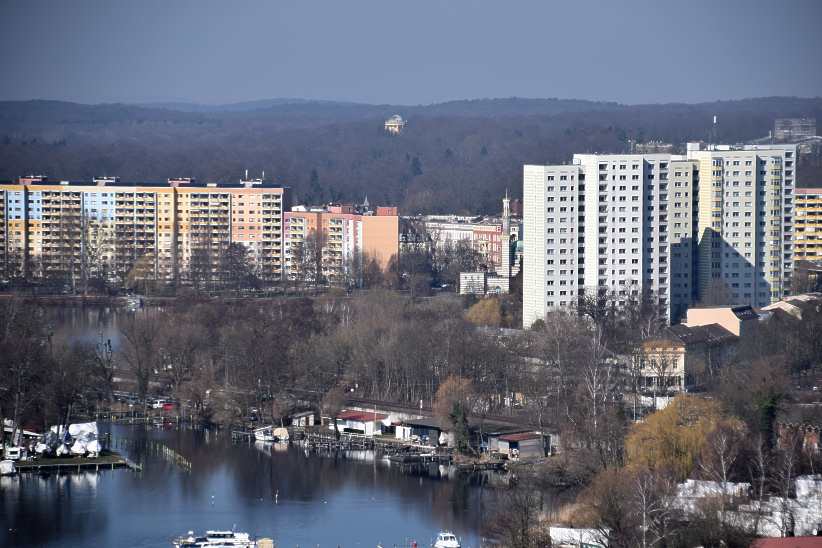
column 458, row 156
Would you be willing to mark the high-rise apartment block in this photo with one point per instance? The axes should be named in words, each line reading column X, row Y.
column 745, row 222
column 338, row 237
column 160, row 231
column 808, row 225
column 714, row 224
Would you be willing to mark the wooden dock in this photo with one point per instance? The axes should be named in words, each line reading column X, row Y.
column 422, row 458
column 347, row 441
column 242, row 435
column 77, row 464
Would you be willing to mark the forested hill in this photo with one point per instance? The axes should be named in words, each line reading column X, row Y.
column 457, row 156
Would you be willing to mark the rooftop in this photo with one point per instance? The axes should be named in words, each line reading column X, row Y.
column 426, row 422
column 360, row 416
column 710, row 334
column 116, row 183
column 745, row 312
column 522, row 436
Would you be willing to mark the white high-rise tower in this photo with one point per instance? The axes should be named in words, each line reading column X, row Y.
column 715, row 224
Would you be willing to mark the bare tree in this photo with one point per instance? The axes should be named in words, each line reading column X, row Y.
column 785, row 468
column 759, row 471
column 516, row 521
column 654, row 497
column 718, row 457
column 307, row 260
column 237, row 269
column 332, row 403
column 22, row 359
column 141, row 348
column 97, row 248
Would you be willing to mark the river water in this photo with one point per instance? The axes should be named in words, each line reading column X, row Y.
column 298, row 498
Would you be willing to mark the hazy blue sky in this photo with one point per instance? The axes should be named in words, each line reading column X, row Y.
column 411, row 51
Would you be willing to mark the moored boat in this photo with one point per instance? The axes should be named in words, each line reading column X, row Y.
column 266, row 433
column 447, row 539
column 216, row 539
column 270, row 433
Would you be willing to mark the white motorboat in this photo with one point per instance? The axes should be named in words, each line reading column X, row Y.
column 266, row 433
column 216, row 539
column 270, row 433
column 447, row 539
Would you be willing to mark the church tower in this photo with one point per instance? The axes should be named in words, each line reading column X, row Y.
column 505, row 243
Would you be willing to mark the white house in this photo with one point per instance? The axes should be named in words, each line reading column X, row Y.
column 359, row 422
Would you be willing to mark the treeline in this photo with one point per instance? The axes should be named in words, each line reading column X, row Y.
column 47, row 380
column 231, row 269
column 454, row 157
column 629, row 471
column 379, row 345
column 573, row 374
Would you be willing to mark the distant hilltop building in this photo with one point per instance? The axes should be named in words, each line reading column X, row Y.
column 395, row 125
column 793, row 129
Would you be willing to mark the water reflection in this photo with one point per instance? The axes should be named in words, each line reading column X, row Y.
column 346, row 499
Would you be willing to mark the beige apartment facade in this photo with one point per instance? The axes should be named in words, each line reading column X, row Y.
column 146, row 231
column 808, row 225
column 745, row 222
column 338, row 238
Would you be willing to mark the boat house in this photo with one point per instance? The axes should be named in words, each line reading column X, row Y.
column 521, row 443
column 368, row 423
column 303, row 419
column 428, row 431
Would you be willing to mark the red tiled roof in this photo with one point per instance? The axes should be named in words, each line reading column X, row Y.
column 790, row 542
column 361, row 416
column 520, row 437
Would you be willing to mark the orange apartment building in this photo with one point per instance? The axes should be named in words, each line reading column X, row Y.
column 151, row 231
column 345, row 234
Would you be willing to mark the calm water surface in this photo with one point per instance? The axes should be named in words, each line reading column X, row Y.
column 299, row 499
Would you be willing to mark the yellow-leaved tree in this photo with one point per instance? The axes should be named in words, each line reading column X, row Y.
column 485, row 312
column 676, row 437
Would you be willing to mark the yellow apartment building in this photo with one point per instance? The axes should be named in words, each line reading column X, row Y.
column 120, row 231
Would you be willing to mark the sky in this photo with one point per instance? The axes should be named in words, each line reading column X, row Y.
column 408, row 52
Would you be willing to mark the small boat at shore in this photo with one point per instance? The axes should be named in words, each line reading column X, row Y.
column 447, row 539
column 266, row 433
column 270, row 433
column 216, row 539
